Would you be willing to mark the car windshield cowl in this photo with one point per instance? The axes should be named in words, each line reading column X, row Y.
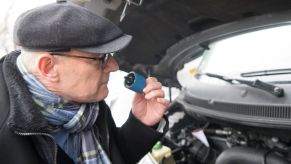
column 270, row 88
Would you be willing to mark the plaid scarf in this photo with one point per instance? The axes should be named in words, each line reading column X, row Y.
column 70, row 123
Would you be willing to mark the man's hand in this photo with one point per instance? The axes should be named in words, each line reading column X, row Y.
column 150, row 107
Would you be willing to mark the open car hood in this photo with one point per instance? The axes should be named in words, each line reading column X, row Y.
column 158, row 26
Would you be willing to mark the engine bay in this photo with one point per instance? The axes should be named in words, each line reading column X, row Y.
column 225, row 143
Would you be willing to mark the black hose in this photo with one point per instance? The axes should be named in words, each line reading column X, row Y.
column 247, row 155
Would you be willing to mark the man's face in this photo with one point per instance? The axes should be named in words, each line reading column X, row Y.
column 82, row 79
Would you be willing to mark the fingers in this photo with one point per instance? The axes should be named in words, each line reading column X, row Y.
column 163, row 101
column 153, row 89
column 152, row 84
column 155, row 93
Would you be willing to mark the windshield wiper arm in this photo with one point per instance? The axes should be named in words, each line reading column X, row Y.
column 275, row 90
column 266, row 72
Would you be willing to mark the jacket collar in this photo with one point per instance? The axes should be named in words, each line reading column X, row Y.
column 25, row 115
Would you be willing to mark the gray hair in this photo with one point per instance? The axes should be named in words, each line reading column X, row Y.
column 29, row 59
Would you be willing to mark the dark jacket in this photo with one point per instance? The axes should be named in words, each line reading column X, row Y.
column 24, row 138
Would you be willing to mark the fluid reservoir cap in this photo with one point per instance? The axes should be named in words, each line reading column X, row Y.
column 157, row 146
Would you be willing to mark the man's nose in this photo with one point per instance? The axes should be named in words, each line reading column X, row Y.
column 111, row 65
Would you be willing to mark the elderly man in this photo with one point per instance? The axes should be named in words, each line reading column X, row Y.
column 52, row 93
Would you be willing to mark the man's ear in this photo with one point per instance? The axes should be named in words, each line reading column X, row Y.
column 46, row 67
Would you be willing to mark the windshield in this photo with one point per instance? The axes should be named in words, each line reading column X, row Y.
column 267, row 49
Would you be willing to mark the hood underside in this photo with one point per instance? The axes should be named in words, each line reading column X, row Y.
column 159, row 24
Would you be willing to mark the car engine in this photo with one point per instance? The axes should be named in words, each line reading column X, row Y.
column 227, row 143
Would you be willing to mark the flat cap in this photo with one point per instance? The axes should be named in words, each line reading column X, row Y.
column 64, row 25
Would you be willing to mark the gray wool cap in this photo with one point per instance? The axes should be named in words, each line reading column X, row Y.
column 68, row 26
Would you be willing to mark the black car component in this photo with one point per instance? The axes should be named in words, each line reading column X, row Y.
column 189, row 149
column 246, row 155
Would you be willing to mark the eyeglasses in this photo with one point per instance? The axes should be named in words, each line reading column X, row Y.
column 104, row 58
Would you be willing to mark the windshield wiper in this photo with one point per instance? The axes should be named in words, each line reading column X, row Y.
column 275, row 90
column 266, row 72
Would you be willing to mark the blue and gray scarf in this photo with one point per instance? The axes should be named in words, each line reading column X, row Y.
column 70, row 123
